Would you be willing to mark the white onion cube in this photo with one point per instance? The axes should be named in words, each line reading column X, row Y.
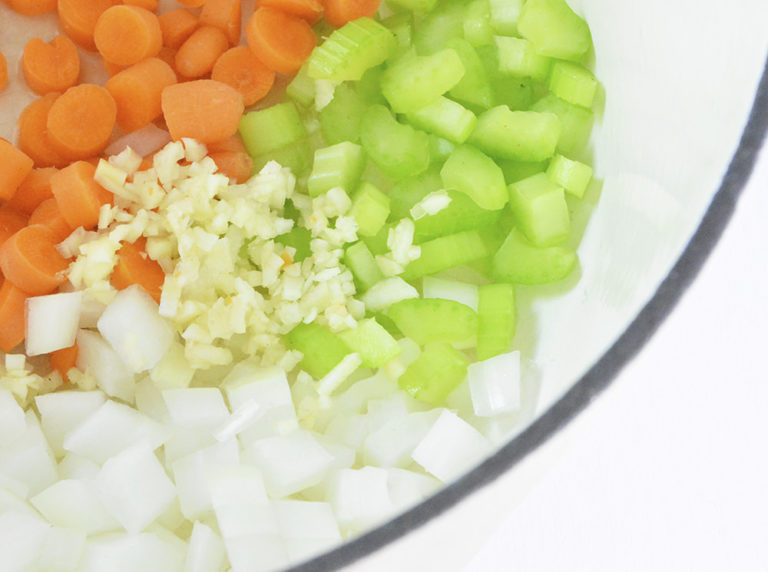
column 76, row 467
column 206, row 551
column 62, row 550
column 307, row 528
column 392, row 444
column 408, row 488
column 29, row 460
column 256, row 553
column 196, row 407
column 52, row 322
column 75, row 504
column 360, row 498
column 12, row 421
column 22, row 537
column 460, row 292
column 495, row 384
column 62, row 411
column 145, row 552
column 96, row 356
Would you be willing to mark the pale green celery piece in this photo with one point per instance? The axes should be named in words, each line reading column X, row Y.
column 427, row 320
column 271, row 128
column 369, row 86
column 461, row 214
column 322, row 349
column 576, row 122
column 446, row 252
column 340, row 119
column 339, row 165
column 417, row 6
column 301, row 90
column 377, row 244
column 554, row 29
column 477, row 23
column 438, row 370
column 573, row 83
column 373, row 342
column 362, row 264
column 440, row 149
column 442, row 24
column 401, row 25
column 573, row 176
column 515, row 171
column 519, row 262
column 410, row 191
column 497, row 319
column 504, row 16
column 540, row 209
column 370, row 208
column 296, row 156
column 444, row 118
column 398, row 150
column 514, row 92
column 470, row 171
column 518, row 57
column 413, row 82
column 474, row 89
column 519, row 135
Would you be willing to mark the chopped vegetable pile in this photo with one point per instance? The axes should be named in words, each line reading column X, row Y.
column 258, row 281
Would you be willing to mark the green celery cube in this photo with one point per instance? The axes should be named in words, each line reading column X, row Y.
column 296, row 156
column 339, row 165
column 370, row 207
column 410, row 191
column 444, row 118
column 301, row 90
column 576, row 122
column 438, row 370
column 340, row 119
column 362, row 264
column 477, row 23
column 322, row 349
column 554, row 29
column 496, row 319
column 540, row 209
column 573, row 176
column 373, row 342
column 398, row 150
column 442, row 24
column 474, row 88
column 519, row 135
column 426, row 320
column 470, row 171
column 519, row 262
column 517, row 56
column 446, row 252
column 461, row 214
column 504, row 16
column 271, row 128
column 573, row 83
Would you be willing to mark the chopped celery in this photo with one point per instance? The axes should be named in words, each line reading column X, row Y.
column 427, row 320
column 515, row 171
column 520, row 262
column 362, row 264
column 496, row 319
column 302, row 88
column 369, row 87
column 573, row 176
column 504, row 16
column 576, row 122
column 410, row 191
column 372, row 341
column 340, row 119
column 398, row 150
column 439, row 149
column 514, row 92
column 540, row 209
column 413, row 82
column 474, row 89
column 401, row 25
column 298, row 237
column 271, row 128
column 444, row 118
column 573, row 83
column 519, row 135
column 517, row 56
column 370, row 208
column 321, row 348
column 339, row 165
column 296, row 156
column 439, row 26
column 462, row 213
column 477, row 23
column 438, row 370
column 470, row 171
column 378, row 243
column 554, row 29
column 446, row 252
column 418, row 6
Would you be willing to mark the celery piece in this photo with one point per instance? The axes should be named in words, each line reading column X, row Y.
column 372, row 341
column 573, row 83
column 340, row 119
column 398, row 150
column 576, row 122
column 477, row 23
column 470, row 171
column 369, row 87
column 296, row 156
column 444, row 118
column 514, row 92
column 301, row 90
column 438, row 370
column 418, row 6
column 515, row 171
column 427, row 320
column 517, row 56
column 496, row 319
column 362, row 264
column 540, row 209
column 439, row 26
column 271, row 128
column 322, row 349
column 519, row 135
column 554, row 29
column 413, row 82
column 410, row 191
column 339, row 165
column 474, row 89
column 378, row 243
column 573, row 176
column 349, row 51
column 519, row 262
column 370, row 208
column 298, row 237
column 440, row 149
column 461, row 214
column 504, row 16
column 446, row 252
column 401, row 25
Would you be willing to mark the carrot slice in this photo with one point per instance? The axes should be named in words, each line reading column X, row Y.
column 241, row 69
column 64, row 359
column 192, row 3
column 236, row 165
column 280, row 40
column 80, row 121
column 309, row 10
column 11, row 222
column 134, row 266
column 204, row 109
column 33, row 133
column 78, row 19
column 199, row 52
column 3, row 72
column 339, row 12
column 15, row 166
column 32, row 7
column 33, row 190
column 233, row 143
column 30, row 261
column 12, row 316
column 136, row 91
column 79, row 197
column 177, row 25
column 150, row 5
column 53, row 66
column 48, row 214
column 225, row 15
column 125, row 35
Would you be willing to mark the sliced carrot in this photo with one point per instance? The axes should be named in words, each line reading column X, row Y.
column 15, row 166
column 280, row 40
column 12, row 316
column 3, row 72
column 78, row 19
column 177, row 25
column 11, row 222
column 199, row 52
column 53, row 66
column 233, row 143
column 63, row 360
column 48, row 214
column 134, row 266
column 112, row 69
column 30, row 261
column 81, row 120
column 339, row 12
column 236, row 165
column 309, row 10
column 225, row 15
column 192, row 3
column 33, row 190
column 32, row 7
column 79, row 197
column 125, row 35
column 136, row 91
column 240, row 68
column 204, row 109
column 150, row 5
column 33, row 133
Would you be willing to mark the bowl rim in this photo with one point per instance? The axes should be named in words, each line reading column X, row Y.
column 600, row 375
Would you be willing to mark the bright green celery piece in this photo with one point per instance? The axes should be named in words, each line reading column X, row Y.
column 554, row 29
column 349, row 51
column 515, row 171
column 296, row 156
column 401, row 25
column 440, row 149
column 372, row 341
column 474, row 88
column 514, row 92
column 461, row 214
column 517, row 56
column 477, row 23
column 540, row 209
column 398, row 150
column 410, row 191
column 576, row 122
column 369, row 87
column 427, row 320
column 446, row 252
column 504, row 16
column 301, row 90
column 378, row 243
column 322, row 349
column 413, row 82
column 573, row 176
column 573, row 83
column 519, row 262
column 418, row 6
column 370, row 208
column 271, row 128
column 444, row 118
column 340, row 119
column 496, row 319
column 339, row 165
column 362, row 264
column 298, row 237
column 442, row 24
column 518, row 135
column 470, row 171
column 438, row 370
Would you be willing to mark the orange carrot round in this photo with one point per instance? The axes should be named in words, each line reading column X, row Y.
column 225, row 15
column 15, row 165
column 234, row 143
column 32, row 7
column 112, row 69
column 241, row 69
column 53, row 66
column 79, row 197
column 48, row 214
column 204, row 109
column 236, row 165
column 177, row 25
column 150, row 5
column 339, row 12
column 63, row 360
column 125, row 35
column 134, row 266
column 12, row 316
column 3, row 72
column 309, row 10
column 11, row 222
column 199, row 52
column 33, row 190
column 136, row 91
column 78, row 18
column 280, row 40
column 29, row 260
column 191, row 3
column 80, row 122
column 33, row 133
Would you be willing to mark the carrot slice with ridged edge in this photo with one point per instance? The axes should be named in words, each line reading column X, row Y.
column 51, row 66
